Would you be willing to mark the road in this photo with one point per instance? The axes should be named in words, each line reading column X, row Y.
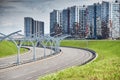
column 31, row 71
column 26, row 57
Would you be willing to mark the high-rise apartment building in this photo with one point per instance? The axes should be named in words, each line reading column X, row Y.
column 33, row 27
column 42, row 27
column 105, row 14
column 93, row 16
column 66, row 21
column 82, row 22
column 97, row 20
column 90, row 20
column 55, row 20
column 115, row 19
column 74, row 18
column 28, row 26
column 93, row 21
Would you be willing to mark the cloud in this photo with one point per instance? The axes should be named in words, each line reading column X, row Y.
column 14, row 1
column 28, row 0
column 1, row 1
column 7, row 7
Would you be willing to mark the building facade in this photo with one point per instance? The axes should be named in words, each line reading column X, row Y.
column 74, row 18
column 90, row 20
column 28, row 26
column 55, row 20
column 93, row 21
column 105, row 14
column 98, row 21
column 66, row 21
column 82, row 22
column 33, row 27
column 115, row 19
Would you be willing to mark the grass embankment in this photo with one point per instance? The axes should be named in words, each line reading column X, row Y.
column 8, row 48
column 105, row 67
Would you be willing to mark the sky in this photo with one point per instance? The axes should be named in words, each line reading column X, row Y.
column 12, row 12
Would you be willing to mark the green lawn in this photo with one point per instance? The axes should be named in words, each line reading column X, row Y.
column 8, row 49
column 105, row 67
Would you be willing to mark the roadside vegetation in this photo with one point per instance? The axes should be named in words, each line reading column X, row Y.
column 105, row 67
column 8, row 48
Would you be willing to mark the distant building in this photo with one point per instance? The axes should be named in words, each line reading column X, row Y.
column 93, row 22
column 70, row 17
column 32, row 26
column 55, row 19
column 90, row 20
column 82, row 22
column 98, row 21
column 28, row 26
column 66, row 21
column 115, row 19
column 42, row 27
column 74, row 18
column 105, row 14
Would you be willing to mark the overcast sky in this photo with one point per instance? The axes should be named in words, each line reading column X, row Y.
column 12, row 12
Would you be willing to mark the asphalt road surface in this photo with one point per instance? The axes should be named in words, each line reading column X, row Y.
column 31, row 71
column 26, row 57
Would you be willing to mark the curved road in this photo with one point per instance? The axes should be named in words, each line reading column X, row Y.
column 31, row 71
column 24, row 58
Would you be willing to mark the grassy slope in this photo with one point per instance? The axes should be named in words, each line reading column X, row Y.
column 105, row 67
column 8, row 48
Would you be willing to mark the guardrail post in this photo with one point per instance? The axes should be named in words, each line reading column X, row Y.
column 18, row 55
column 44, row 52
column 34, row 53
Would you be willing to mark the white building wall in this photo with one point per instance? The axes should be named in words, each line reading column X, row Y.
column 115, row 18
